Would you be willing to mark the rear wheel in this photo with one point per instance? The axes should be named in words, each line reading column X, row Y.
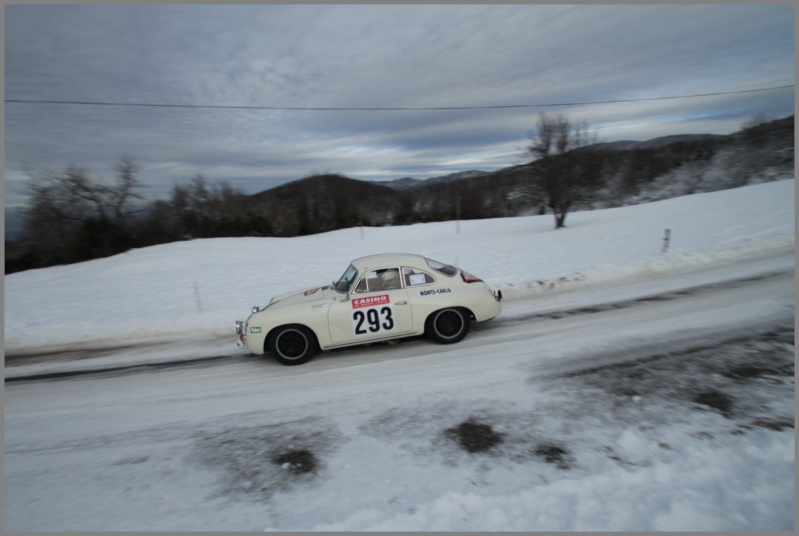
column 448, row 326
column 292, row 345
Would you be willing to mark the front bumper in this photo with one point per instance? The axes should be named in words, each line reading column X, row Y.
column 241, row 331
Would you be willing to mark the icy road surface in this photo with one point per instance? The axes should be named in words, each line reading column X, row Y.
column 664, row 414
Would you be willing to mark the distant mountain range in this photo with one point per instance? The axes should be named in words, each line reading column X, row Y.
column 631, row 172
column 408, row 183
column 654, row 143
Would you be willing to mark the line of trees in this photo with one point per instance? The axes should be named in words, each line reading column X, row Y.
column 73, row 216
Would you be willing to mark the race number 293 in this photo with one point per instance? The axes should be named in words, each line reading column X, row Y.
column 372, row 315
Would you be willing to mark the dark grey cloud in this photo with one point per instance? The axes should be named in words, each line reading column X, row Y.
column 370, row 56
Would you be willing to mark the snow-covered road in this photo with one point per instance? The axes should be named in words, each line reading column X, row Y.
column 195, row 448
column 621, row 388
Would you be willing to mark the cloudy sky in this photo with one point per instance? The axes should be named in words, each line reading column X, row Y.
column 500, row 64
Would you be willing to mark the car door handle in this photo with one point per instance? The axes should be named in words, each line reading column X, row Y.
column 401, row 303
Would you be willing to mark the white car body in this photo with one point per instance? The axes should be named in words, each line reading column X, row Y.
column 379, row 298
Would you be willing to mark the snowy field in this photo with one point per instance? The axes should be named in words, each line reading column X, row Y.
column 622, row 388
column 195, row 290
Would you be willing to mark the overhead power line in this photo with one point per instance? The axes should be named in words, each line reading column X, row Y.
column 388, row 109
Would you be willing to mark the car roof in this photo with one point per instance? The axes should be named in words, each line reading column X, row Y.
column 389, row 259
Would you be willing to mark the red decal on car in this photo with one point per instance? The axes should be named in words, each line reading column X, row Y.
column 371, row 301
column 312, row 291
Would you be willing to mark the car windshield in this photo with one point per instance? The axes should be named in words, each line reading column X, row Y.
column 343, row 284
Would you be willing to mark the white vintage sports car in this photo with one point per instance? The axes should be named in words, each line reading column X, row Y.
column 379, row 298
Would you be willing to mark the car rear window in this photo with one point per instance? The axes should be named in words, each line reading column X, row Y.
column 415, row 277
column 442, row 268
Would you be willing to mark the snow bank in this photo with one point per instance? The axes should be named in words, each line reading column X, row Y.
column 686, row 492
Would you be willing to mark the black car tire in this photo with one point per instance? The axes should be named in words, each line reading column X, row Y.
column 448, row 326
column 292, row 345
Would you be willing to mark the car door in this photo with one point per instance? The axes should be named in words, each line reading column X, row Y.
column 378, row 308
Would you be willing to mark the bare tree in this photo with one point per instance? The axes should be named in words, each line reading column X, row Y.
column 752, row 132
column 562, row 173
column 203, row 210
column 756, row 120
column 123, row 194
column 72, row 217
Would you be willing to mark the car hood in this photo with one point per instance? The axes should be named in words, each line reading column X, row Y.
column 303, row 296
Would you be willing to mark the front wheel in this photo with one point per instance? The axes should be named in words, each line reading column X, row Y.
column 448, row 326
column 292, row 345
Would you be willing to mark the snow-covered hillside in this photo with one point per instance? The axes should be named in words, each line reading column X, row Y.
column 622, row 387
column 196, row 289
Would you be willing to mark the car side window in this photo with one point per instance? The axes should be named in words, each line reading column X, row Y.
column 377, row 280
column 415, row 277
column 361, row 285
